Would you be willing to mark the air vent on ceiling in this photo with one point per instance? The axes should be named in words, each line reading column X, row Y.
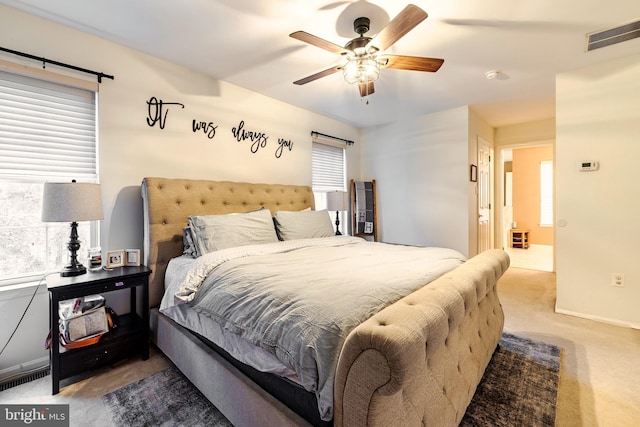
column 628, row 31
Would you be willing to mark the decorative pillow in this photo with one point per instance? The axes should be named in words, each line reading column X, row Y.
column 303, row 224
column 187, row 241
column 216, row 232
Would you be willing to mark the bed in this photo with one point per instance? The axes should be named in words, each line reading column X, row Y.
column 415, row 362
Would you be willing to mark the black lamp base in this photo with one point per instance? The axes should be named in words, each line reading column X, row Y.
column 74, row 268
column 338, row 233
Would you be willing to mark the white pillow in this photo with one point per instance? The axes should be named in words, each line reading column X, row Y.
column 216, row 232
column 303, row 224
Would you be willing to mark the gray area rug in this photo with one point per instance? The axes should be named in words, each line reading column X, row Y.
column 519, row 388
column 164, row 399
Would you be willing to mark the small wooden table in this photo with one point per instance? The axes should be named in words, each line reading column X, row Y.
column 519, row 238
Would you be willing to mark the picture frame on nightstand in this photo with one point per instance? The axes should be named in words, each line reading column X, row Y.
column 115, row 258
column 132, row 257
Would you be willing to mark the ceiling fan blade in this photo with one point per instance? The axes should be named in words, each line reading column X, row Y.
column 416, row 63
column 399, row 26
column 317, row 41
column 316, row 76
column 366, row 89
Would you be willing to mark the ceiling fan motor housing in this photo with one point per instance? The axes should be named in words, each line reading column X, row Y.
column 361, row 25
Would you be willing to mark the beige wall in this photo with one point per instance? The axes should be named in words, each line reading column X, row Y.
column 421, row 168
column 130, row 149
column 597, row 212
column 526, row 133
column 526, row 192
column 421, row 171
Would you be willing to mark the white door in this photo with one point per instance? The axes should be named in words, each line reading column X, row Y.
column 485, row 234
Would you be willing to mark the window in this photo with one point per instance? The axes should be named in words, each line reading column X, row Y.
column 47, row 133
column 546, row 193
column 328, row 173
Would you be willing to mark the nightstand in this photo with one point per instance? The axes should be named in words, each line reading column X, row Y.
column 131, row 336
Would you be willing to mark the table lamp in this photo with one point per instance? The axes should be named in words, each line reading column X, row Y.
column 337, row 201
column 72, row 202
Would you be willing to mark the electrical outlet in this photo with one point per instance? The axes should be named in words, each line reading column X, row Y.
column 617, row 280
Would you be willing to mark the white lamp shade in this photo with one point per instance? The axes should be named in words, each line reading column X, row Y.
column 337, row 201
column 71, row 202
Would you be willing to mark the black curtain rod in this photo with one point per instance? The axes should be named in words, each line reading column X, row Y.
column 346, row 141
column 61, row 64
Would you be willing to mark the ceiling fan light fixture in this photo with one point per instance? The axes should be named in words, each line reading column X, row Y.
column 361, row 70
column 363, row 56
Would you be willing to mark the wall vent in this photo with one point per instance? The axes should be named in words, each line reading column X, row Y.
column 40, row 373
column 609, row 36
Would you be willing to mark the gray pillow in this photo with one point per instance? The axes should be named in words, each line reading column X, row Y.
column 187, row 241
column 216, row 232
column 303, row 224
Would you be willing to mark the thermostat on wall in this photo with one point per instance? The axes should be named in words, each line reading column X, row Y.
column 588, row 165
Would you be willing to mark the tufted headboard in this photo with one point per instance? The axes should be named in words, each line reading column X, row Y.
column 168, row 202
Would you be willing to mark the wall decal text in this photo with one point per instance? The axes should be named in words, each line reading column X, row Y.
column 209, row 128
column 155, row 110
column 258, row 139
column 158, row 110
column 282, row 144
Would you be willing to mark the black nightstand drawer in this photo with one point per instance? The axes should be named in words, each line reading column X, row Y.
column 97, row 282
column 103, row 353
column 73, row 363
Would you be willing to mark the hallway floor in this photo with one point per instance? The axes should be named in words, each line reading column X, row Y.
column 536, row 257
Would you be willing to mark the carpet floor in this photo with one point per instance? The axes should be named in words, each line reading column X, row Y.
column 519, row 388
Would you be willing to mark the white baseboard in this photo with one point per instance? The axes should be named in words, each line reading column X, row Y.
column 26, row 367
column 600, row 319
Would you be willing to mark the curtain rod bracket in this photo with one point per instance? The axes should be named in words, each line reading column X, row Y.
column 346, row 141
column 44, row 61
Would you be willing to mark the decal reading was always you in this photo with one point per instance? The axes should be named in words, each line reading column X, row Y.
column 158, row 113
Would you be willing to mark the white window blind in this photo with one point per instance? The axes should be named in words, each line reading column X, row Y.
column 46, row 129
column 327, row 168
column 47, row 133
column 546, row 193
column 328, row 173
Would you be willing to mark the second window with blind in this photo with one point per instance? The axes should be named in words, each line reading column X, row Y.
column 328, row 173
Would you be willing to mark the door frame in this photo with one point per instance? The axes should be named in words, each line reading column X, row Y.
column 490, row 185
column 500, row 186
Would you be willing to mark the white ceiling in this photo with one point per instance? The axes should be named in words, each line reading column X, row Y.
column 247, row 43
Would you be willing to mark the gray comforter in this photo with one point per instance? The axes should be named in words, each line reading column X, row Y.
column 298, row 300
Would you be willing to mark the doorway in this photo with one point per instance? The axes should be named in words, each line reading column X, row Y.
column 527, row 226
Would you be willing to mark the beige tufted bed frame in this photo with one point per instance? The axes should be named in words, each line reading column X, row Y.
column 417, row 362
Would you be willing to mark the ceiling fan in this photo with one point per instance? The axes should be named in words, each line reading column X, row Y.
column 364, row 55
